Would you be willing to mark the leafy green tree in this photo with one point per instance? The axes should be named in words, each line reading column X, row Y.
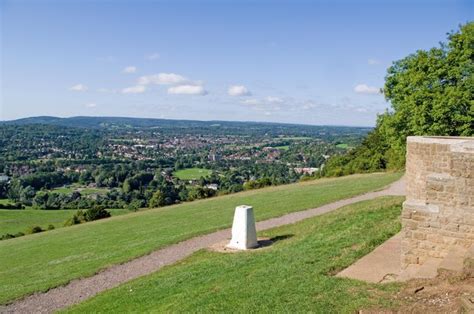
column 157, row 200
column 431, row 93
column 95, row 213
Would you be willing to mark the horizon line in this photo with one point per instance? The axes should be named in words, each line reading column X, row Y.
column 190, row 120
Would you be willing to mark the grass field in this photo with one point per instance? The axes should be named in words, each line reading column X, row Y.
column 5, row 201
column 40, row 261
column 342, row 145
column 294, row 138
column 283, row 147
column 192, row 173
column 82, row 190
column 295, row 273
column 13, row 221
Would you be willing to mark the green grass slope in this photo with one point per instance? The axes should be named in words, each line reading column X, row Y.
column 295, row 274
column 13, row 221
column 40, row 261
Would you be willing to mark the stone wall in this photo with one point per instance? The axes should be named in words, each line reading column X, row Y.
column 439, row 209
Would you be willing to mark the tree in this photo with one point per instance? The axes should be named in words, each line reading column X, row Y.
column 95, row 213
column 157, row 200
column 430, row 93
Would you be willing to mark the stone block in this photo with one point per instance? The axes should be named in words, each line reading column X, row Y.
column 439, row 207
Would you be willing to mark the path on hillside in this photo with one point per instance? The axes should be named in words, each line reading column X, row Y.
column 81, row 289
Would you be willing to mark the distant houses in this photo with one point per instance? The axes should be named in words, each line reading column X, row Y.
column 4, row 178
column 308, row 170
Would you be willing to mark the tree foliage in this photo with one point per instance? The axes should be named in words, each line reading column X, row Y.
column 430, row 92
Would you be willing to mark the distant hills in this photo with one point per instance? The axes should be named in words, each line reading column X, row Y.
column 121, row 122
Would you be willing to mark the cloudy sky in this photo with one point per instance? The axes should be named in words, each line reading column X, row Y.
column 311, row 62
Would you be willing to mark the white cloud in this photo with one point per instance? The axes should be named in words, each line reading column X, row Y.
column 308, row 105
column 187, row 90
column 134, row 89
column 153, row 56
column 162, row 79
column 366, row 89
column 91, row 105
column 373, row 61
column 272, row 99
column 266, row 104
column 180, row 85
column 106, row 90
column 238, row 90
column 78, row 88
column 130, row 69
column 251, row 102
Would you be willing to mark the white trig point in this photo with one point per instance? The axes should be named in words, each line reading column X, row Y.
column 244, row 234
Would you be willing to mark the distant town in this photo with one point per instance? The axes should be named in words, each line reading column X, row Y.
column 113, row 164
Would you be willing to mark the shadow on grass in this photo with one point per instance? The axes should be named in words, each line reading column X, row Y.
column 267, row 242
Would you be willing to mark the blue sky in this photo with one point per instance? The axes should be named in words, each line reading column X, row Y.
column 311, row 62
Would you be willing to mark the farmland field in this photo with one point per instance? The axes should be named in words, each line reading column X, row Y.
column 295, row 272
column 52, row 258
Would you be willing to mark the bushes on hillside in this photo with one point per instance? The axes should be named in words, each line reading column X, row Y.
column 30, row 230
column 91, row 214
column 257, row 184
column 34, row 229
column 12, row 206
column 11, row 236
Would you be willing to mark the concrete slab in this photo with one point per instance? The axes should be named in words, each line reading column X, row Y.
column 381, row 265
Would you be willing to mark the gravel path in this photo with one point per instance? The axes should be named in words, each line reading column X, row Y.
column 81, row 289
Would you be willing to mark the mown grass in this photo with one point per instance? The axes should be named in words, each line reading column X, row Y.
column 294, row 138
column 82, row 190
column 283, row 147
column 40, row 261
column 293, row 275
column 14, row 221
column 5, row 201
column 192, row 173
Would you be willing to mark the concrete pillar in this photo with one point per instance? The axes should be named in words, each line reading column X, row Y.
column 244, row 233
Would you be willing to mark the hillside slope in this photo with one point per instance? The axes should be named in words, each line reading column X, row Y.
column 41, row 261
column 294, row 274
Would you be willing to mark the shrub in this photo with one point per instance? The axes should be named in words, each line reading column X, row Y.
column 76, row 219
column 34, row 229
column 7, row 236
column 12, row 206
column 50, row 227
column 91, row 214
column 11, row 236
column 96, row 213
